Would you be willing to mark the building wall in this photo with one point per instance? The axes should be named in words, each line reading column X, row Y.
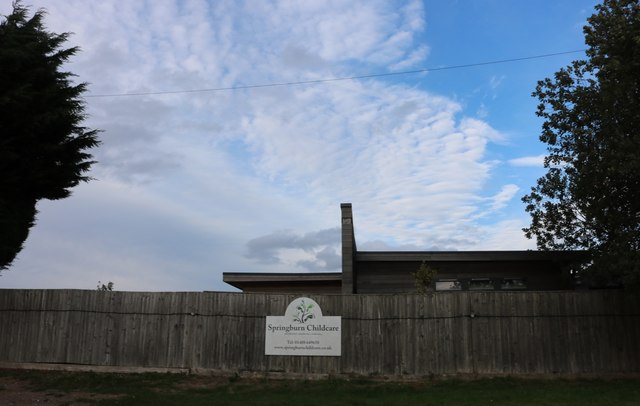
column 396, row 276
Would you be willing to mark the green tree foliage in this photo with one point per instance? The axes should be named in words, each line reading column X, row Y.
column 590, row 196
column 101, row 287
column 43, row 146
column 424, row 278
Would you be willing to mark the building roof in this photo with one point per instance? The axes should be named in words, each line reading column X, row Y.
column 244, row 280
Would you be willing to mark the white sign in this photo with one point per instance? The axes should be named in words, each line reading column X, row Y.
column 303, row 331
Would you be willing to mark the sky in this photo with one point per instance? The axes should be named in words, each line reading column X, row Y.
column 192, row 181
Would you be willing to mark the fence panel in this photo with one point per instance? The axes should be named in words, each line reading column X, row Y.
column 484, row 333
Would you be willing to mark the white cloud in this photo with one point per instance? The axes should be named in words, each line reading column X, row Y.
column 505, row 195
column 416, row 56
column 535, row 161
column 495, row 82
column 414, row 15
column 320, row 245
column 504, row 235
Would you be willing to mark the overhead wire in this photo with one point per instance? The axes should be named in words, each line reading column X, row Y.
column 327, row 80
column 259, row 315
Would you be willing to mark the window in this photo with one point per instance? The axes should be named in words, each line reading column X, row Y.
column 448, row 284
column 481, row 284
column 513, row 283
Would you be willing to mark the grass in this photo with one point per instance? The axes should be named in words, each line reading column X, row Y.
column 172, row 389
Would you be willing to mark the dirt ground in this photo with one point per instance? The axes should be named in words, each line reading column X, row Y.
column 18, row 392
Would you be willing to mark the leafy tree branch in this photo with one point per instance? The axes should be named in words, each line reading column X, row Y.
column 589, row 199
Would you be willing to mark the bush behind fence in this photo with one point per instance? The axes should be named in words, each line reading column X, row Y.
column 590, row 332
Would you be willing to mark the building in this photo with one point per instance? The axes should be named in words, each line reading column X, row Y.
column 376, row 272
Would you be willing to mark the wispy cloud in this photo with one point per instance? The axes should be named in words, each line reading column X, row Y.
column 535, row 161
column 318, row 249
column 505, row 195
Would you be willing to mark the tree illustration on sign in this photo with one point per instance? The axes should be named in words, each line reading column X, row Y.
column 304, row 312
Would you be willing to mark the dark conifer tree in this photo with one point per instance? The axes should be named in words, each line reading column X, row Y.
column 43, row 145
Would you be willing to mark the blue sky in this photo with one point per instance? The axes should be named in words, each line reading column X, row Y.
column 190, row 185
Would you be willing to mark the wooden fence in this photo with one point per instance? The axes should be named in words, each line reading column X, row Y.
column 482, row 333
